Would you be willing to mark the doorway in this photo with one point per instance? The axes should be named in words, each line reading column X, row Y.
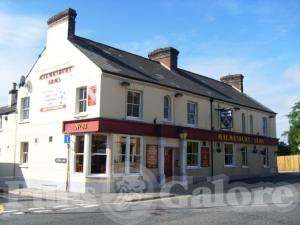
column 168, row 163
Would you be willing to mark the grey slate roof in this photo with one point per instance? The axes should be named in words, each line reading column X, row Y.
column 5, row 110
column 125, row 64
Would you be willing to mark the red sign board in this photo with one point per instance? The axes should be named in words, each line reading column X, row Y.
column 152, row 156
column 81, row 127
column 92, row 96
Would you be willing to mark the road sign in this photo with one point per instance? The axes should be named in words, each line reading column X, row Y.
column 67, row 139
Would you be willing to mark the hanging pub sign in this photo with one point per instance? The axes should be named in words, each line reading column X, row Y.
column 226, row 119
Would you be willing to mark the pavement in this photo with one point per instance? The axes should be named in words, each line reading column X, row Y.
column 182, row 206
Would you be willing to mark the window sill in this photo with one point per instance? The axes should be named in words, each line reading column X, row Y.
column 97, row 176
column 191, row 125
column 23, row 165
column 193, row 167
column 229, row 166
column 24, row 121
column 266, row 167
column 245, row 167
column 167, row 121
column 127, row 175
column 81, row 115
column 134, row 118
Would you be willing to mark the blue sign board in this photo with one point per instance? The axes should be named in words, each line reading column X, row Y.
column 67, row 139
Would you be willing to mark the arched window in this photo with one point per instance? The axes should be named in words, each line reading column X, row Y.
column 167, row 108
column 243, row 123
column 251, row 124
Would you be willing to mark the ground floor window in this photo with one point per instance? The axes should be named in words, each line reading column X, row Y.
column 229, row 155
column 192, row 154
column 24, row 152
column 204, row 155
column 127, row 155
column 266, row 160
column 244, row 156
column 79, row 154
column 98, row 154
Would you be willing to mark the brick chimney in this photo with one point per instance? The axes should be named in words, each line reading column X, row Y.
column 13, row 95
column 61, row 26
column 234, row 80
column 166, row 56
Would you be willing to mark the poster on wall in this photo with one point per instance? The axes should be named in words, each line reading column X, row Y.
column 152, row 156
column 92, row 96
column 53, row 99
column 204, row 157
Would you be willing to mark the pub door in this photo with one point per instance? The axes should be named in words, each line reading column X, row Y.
column 168, row 163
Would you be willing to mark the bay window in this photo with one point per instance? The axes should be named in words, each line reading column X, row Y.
column 127, row 155
column 98, row 154
column 192, row 154
column 79, row 154
column 228, row 155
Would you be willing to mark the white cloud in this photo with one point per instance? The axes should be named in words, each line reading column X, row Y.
column 21, row 40
column 293, row 73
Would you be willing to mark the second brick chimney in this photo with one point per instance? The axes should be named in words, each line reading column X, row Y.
column 166, row 56
column 234, row 80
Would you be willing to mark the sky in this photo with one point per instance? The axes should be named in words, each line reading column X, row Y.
column 260, row 39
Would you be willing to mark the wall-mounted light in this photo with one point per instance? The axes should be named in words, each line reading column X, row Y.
column 254, row 149
column 6, row 118
column 183, row 135
column 125, row 84
column 178, row 94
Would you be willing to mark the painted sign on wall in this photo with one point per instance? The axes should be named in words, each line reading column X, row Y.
column 152, row 156
column 92, row 96
column 81, row 127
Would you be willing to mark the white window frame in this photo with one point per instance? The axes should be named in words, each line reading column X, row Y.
column 79, row 100
column 243, row 123
column 1, row 122
column 265, row 126
column 90, row 174
column 75, row 154
column 23, row 109
column 195, row 114
column 244, row 151
column 140, row 117
column 169, row 108
column 266, row 158
column 127, row 156
column 233, row 155
column 199, row 156
column 24, row 146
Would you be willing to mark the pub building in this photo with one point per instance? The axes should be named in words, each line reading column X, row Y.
column 88, row 114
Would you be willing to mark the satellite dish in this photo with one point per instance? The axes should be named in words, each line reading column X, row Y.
column 22, row 81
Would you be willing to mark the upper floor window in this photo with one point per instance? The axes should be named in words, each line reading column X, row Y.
column 167, row 108
column 251, row 124
column 0, row 122
column 265, row 126
column 243, row 123
column 192, row 113
column 81, row 99
column 134, row 104
column 24, row 152
column 25, row 104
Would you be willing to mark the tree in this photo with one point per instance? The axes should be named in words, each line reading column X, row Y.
column 293, row 135
column 283, row 149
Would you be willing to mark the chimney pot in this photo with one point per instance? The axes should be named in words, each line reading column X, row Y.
column 166, row 56
column 234, row 80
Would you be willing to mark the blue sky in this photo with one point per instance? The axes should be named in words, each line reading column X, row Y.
column 260, row 39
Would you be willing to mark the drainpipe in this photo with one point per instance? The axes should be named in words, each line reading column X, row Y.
column 211, row 142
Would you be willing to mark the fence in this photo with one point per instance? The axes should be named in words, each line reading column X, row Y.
column 288, row 163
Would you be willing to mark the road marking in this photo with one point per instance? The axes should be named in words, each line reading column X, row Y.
column 69, row 208
column 42, row 211
column 81, row 204
column 90, row 206
column 31, row 209
column 60, row 206
column 10, row 211
column 18, row 213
